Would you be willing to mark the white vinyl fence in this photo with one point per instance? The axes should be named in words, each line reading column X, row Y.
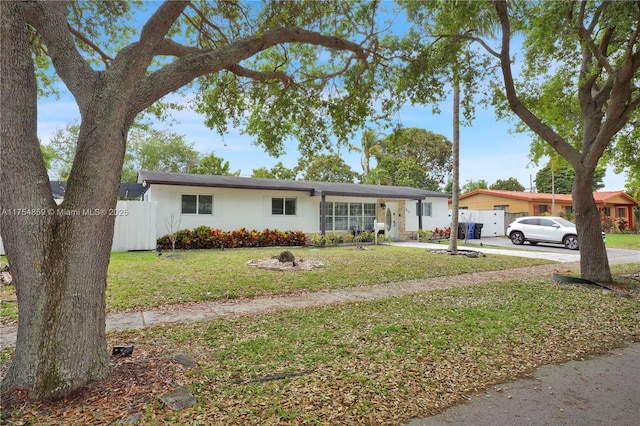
column 135, row 227
column 492, row 221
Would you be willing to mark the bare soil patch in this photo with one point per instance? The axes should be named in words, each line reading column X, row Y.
column 273, row 264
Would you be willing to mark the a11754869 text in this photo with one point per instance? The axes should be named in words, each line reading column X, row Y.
column 62, row 212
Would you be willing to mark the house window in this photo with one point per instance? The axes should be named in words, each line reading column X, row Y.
column 283, row 206
column 606, row 211
column 341, row 216
column 341, row 212
column 542, row 208
column 197, row 204
column 426, row 209
column 622, row 212
column 569, row 209
column 504, row 207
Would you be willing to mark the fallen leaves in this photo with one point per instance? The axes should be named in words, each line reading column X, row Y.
column 134, row 383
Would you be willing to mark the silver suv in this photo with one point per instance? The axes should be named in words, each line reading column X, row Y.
column 544, row 229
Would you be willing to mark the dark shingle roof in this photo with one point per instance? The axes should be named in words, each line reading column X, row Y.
column 313, row 188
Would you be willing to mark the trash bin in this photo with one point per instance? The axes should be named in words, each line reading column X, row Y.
column 472, row 230
column 462, row 230
column 478, row 233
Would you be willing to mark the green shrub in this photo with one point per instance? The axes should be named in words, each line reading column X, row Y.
column 317, row 240
column 348, row 238
column 424, row 236
column 332, row 239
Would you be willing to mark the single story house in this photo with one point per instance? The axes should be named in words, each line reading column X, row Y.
column 615, row 204
column 231, row 202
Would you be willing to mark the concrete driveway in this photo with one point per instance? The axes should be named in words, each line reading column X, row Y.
column 504, row 246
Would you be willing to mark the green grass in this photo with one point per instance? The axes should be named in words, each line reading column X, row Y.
column 379, row 362
column 624, row 241
column 143, row 279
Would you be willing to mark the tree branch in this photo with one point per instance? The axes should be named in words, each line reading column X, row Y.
column 105, row 58
column 208, row 22
column 261, row 75
column 186, row 68
column 135, row 58
column 50, row 20
column 585, row 34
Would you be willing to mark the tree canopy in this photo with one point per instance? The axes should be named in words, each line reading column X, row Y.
column 563, row 178
column 510, row 184
column 329, row 168
column 211, row 164
column 279, row 171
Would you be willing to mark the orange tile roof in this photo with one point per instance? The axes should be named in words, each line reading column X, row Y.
column 599, row 197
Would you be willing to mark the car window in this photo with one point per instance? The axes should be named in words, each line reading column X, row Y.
column 565, row 222
column 531, row 221
column 546, row 222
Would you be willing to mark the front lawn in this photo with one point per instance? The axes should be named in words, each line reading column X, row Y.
column 624, row 241
column 139, row 280
column 378, row 362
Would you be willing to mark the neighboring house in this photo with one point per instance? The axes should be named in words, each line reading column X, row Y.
column 615, row 204
column 231, row 202
column 127, row 191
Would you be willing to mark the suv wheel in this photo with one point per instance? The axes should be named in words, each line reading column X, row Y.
column 571, row 242
column 517, row 238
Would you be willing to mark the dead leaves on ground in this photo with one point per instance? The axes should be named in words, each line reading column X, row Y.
column 133, row 386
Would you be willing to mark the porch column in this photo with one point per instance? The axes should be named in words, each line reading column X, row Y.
column 420, row 215
column 323, row 214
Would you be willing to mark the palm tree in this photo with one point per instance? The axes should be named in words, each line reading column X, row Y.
column 377, row 176
column 370, row 146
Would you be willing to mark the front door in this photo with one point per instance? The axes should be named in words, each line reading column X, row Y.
column 391, row 220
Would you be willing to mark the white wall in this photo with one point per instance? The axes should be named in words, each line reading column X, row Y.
column 235, row 208
column 440, row 215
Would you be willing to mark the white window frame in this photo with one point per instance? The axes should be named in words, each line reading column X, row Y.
column 426, row 206
column 345, row 220
column 199, row 204
column 285, row 211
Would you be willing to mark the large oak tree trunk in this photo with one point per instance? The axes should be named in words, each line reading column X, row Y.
column 58, row 255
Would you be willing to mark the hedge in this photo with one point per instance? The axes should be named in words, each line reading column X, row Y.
column 204, row 237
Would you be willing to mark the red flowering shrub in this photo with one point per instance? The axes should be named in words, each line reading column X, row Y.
column 204, row 237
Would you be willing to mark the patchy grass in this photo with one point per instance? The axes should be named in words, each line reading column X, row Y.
column 139, row 280
column 379, row 362
column 624, row 241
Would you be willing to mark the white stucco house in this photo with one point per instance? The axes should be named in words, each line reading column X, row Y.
column 230, row 202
